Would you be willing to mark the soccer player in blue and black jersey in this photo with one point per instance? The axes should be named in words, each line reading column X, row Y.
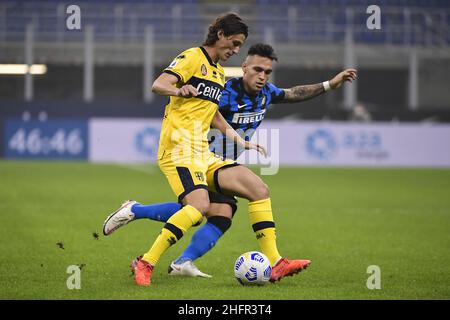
column 244, row 103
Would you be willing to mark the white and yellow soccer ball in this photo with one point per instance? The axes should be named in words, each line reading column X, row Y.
column 252, row 268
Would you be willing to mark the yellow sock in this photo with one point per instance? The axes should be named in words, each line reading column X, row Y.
column 261, row 218
column 173, row 230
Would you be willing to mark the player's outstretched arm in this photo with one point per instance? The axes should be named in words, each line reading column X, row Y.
column 223, row 126
column 302, row 93
column 164, row 85
column 306, row 92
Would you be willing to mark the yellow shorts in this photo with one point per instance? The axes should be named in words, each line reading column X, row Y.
column 186, row 175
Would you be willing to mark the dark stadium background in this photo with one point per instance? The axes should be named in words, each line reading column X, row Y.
column 309, row 37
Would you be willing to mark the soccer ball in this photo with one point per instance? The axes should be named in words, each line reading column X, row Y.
column 252, row 268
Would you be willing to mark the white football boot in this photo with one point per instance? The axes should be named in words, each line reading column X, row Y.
column 119, row 218
column 187, row 269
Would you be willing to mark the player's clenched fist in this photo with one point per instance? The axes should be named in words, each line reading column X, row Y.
column 187, row 91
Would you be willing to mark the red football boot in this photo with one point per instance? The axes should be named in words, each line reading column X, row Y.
column 285, row 267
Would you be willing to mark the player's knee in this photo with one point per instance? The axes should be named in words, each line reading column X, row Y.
column 221, row 222
column 262, row 191
column 222, row 209
column 202, row 206
column 199, row 201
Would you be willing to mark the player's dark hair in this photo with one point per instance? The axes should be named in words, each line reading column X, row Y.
column 262, row 50
column 230, row 24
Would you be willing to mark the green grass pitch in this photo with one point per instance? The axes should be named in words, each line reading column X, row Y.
column 343, row 219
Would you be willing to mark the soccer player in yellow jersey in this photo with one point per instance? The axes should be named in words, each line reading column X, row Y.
column 194, row 82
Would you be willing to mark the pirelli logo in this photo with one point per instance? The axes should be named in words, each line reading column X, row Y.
column 248, row 117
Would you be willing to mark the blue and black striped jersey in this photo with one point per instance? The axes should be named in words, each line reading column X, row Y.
column 243, row 112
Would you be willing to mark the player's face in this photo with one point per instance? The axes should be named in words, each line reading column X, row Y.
column 257, row 71
column 229, row 46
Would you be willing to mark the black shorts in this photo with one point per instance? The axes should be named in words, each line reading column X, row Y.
column 215, row 197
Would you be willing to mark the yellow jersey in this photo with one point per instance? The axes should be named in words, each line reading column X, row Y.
column 187, row 121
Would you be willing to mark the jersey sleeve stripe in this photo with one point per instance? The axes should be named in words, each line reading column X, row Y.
column 174, row 74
